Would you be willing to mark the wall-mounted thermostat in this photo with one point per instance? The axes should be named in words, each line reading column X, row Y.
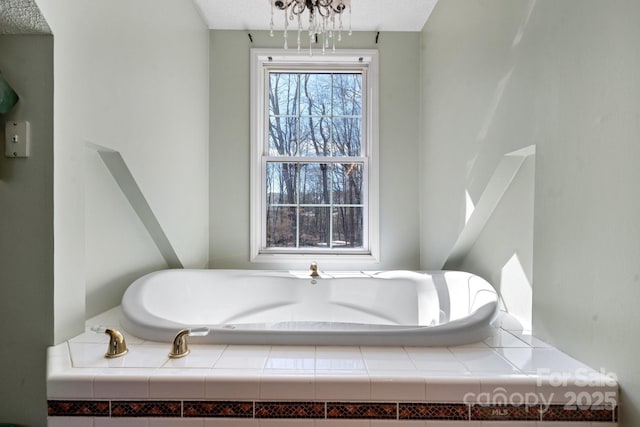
column 16, row 141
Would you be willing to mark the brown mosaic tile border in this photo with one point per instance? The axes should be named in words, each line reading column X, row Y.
column 290, row 410
column 218, row 409
column 146, row 408
column 505, row 412
column 578, row 413
column 83, row 408
column 403, row 411
column 433, row 411
column 362, row 410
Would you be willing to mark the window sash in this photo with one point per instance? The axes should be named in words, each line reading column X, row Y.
column 331, row 247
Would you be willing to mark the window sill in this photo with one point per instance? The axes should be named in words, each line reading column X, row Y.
column 293, row 258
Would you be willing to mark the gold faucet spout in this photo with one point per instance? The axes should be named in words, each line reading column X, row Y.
column 314, row 270
column 117, row 345
column 179, row 347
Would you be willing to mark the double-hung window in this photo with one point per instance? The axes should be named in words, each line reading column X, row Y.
column 314, row 165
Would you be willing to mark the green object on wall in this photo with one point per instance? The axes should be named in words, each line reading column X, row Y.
column 8, row 97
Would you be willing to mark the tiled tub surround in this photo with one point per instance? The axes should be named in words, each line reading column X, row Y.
column 508, row 379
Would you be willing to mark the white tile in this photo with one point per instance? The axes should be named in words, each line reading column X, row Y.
column 386, row 358
column 511, row 424
column 200, row 356
column 511, row 387
column 88, row 355
column 395, row 388
column 477, row 344
column 118, row 385
column 482, row 360
column 173, row 422
column 178, row 384
column 243, row 357
column 230, row 423
column 339, row 358
column 572, row 424
column 504, row 339
column 456, row 424
column 398, row 423
column 121, row 422
column 70, row 385
column 453, row 389
column 570, row 392
column 291, row 357
column 332, row 386
column 286, row 423
column 69, row 422
column 232, row 384
column 543, row 360
column 435, row 359
column 342, row 423
column 60, row 350
column 530, row 339
column 294, row 387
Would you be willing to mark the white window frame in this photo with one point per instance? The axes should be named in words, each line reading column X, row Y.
column 263, row 60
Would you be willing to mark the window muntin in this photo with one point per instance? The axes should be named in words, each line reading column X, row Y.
column 315, row 140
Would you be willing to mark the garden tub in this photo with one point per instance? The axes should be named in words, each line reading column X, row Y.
column 399, row 308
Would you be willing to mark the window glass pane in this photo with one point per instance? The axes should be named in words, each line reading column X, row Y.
column 314, row 227
column 282, row 179
column 283, row 136
column 314, row 183
column 347, row 227
column 281, row 227
column 347, row 183
column 347, row 94
column 315, row 94
column 347, row 136
column 283, row 94
column 315, row 136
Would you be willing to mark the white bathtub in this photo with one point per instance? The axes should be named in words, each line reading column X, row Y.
column 340, row 308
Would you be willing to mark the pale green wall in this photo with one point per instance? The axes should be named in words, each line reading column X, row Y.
column 134, row 77
column 398, row 127
column 587, row 218
column 26, row 234
column 562, row 75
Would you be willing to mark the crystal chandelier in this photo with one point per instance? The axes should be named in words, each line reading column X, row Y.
column 324, row 21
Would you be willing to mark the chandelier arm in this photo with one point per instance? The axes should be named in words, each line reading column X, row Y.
column 324, row 11
column 282, row 4
column 298, row 8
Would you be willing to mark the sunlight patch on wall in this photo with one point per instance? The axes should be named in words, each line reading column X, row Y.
column 495, row 103
column 524, row 23
column 469, row 207
column 516, row 292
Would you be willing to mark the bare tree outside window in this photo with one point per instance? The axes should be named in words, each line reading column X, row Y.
column 315, row 172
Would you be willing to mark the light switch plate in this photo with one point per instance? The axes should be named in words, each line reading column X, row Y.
column 16, row 141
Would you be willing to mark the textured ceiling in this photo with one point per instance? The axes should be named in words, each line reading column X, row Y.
column 22, row 17
column 367, row 15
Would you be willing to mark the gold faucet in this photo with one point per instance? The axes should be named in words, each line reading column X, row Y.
column 117, row 346
column 314, row 270
column 179, row 347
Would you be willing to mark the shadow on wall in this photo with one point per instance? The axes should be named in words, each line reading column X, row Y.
column 120, row 226
column 496, row 242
